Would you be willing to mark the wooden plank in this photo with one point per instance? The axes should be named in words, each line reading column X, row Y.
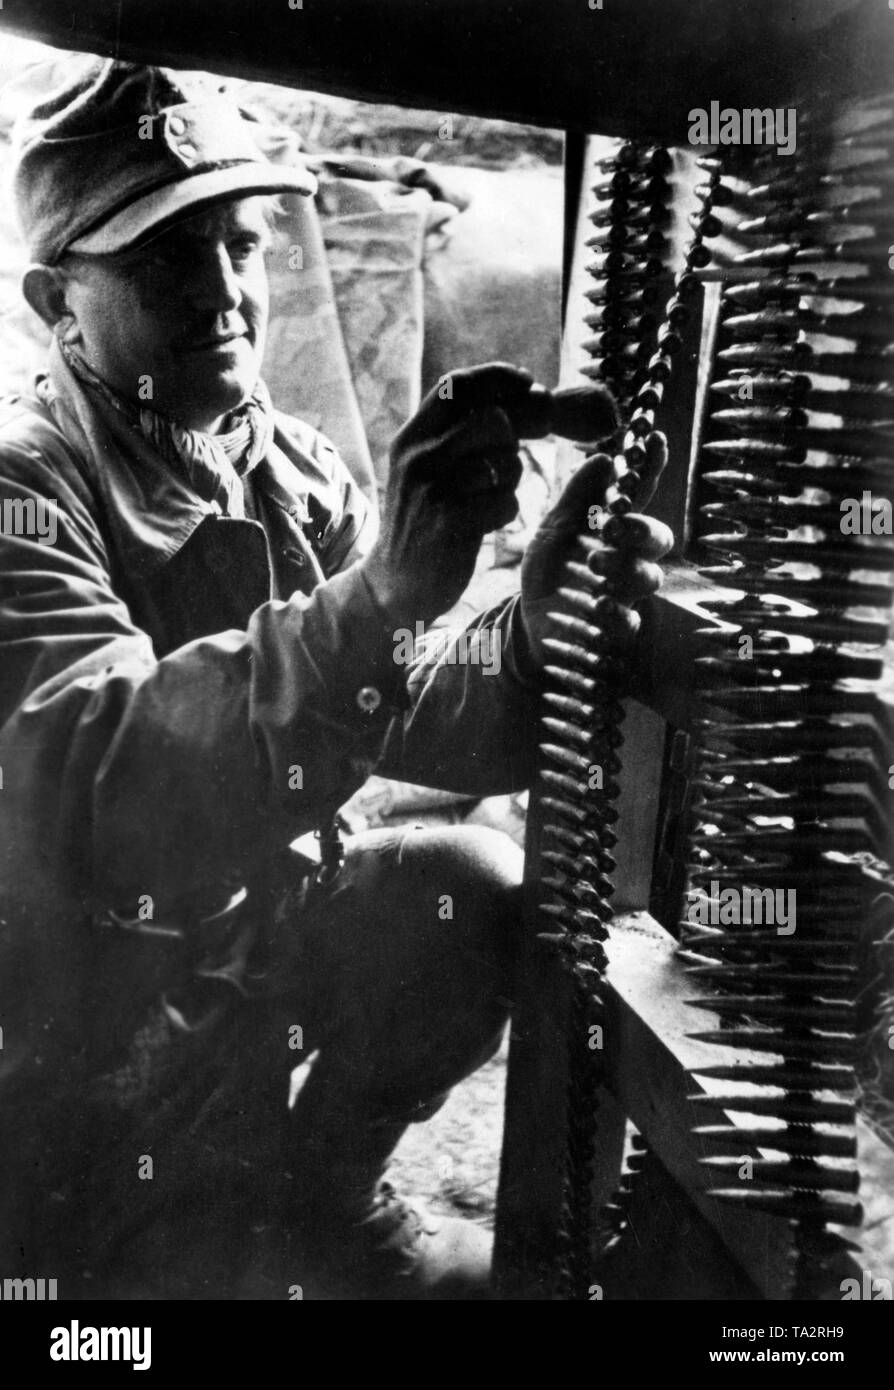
column 650, row 1055
column 677, row 417
column 532, row 1163
column 642, row 764
column 664, row 674
column 529, row 1200
column 667, row 1250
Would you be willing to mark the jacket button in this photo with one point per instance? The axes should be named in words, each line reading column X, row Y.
column 176, row 125
column 368, row 698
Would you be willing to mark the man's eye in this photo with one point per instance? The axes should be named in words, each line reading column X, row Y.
column 165, row 257
column 245, row 247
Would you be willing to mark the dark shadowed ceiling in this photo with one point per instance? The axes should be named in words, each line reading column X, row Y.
column 633, row 67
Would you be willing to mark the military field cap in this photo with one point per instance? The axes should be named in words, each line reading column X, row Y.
column 124, row 150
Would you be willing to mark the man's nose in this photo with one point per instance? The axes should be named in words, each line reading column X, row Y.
column 215, row 284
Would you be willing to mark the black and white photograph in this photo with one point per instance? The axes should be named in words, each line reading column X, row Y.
column 446, row 695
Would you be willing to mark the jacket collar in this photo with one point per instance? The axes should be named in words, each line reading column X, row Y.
column 150, row 509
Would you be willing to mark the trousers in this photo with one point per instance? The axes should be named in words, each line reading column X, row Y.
column 372, row 997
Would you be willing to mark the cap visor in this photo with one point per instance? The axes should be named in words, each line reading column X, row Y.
column 156, row 210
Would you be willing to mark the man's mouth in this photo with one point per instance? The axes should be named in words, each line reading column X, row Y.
column 212, row 342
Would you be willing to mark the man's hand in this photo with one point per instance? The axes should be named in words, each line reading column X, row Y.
column 625, row 557
column 454, row 471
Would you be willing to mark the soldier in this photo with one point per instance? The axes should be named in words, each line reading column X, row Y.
column 199, row 669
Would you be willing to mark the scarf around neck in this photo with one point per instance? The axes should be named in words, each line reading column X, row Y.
column 215, row 464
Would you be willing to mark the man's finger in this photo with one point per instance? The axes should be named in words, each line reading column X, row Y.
column 655, row 451
column 491, row 384
column 587, row 488
column 488, row 512
column 480, row 474
column 485, row 432
column 618, row 623
column 639, row 535
column 630, row 579
column 457, row 395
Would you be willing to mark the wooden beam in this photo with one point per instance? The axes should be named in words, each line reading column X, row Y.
column 664, row 674
column 664, row 677
column 667, row 1250
column 640, row 778
column 529, row 1203
column 649, row 1056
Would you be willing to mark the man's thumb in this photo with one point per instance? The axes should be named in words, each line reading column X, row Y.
column 581, row 506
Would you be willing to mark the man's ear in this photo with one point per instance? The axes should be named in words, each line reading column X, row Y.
column 44, row 287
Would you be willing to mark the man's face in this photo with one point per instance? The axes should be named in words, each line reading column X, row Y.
column 179, row 324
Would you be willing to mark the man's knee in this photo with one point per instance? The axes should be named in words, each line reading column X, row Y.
column 484, row 856
column 473, row 858
column 462, row 886
column 416, row 945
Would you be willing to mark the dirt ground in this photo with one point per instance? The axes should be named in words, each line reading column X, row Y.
column 453, row 1160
